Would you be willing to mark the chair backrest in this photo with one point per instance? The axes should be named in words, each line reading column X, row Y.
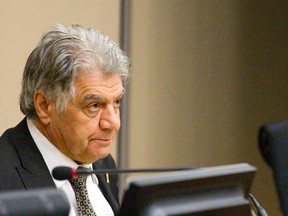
column 34, row 202
column 273, row 144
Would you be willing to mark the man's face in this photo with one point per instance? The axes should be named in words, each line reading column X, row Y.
column 86, row 130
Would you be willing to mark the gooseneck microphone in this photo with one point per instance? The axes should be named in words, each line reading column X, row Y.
column 260, row 210
column 63, row 172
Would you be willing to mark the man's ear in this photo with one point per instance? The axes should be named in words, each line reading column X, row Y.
column 43, row 107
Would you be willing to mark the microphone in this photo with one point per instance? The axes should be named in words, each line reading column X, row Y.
column 260, row 210
column 63, row 172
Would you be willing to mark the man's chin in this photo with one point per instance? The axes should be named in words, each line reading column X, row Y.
column 95, row 158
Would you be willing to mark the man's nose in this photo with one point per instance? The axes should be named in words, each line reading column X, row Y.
column 110, row 118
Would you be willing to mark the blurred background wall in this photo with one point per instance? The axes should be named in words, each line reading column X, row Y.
column 206, row 74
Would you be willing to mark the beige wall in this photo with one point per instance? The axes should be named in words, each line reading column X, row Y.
column 206, row 75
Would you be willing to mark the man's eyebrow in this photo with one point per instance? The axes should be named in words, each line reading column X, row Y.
column 97, row 97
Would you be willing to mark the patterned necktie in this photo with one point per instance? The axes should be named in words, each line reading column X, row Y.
column 83, row 202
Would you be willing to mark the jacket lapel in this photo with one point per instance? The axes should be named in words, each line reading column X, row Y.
column 33, row 172
column 105, row 188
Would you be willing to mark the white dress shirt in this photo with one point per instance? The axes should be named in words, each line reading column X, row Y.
column 53, row 158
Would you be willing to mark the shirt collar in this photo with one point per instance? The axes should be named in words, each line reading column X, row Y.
column 53, row 156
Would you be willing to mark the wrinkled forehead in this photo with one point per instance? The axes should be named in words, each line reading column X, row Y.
column 98, row 83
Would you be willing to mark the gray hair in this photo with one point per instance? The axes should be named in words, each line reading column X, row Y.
column 62, row 51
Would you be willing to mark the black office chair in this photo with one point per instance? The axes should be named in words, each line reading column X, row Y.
column 273, row 144
column 34, row 202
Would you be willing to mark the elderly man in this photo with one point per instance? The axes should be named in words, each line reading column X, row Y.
column 71, row 91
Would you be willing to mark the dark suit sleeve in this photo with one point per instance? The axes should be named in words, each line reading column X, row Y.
column 21, row 163
column 9, row 177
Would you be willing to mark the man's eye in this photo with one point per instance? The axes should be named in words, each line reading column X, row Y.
column 93, row 106
column 117, row 103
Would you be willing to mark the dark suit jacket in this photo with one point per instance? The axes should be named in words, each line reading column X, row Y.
column 23, row 167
